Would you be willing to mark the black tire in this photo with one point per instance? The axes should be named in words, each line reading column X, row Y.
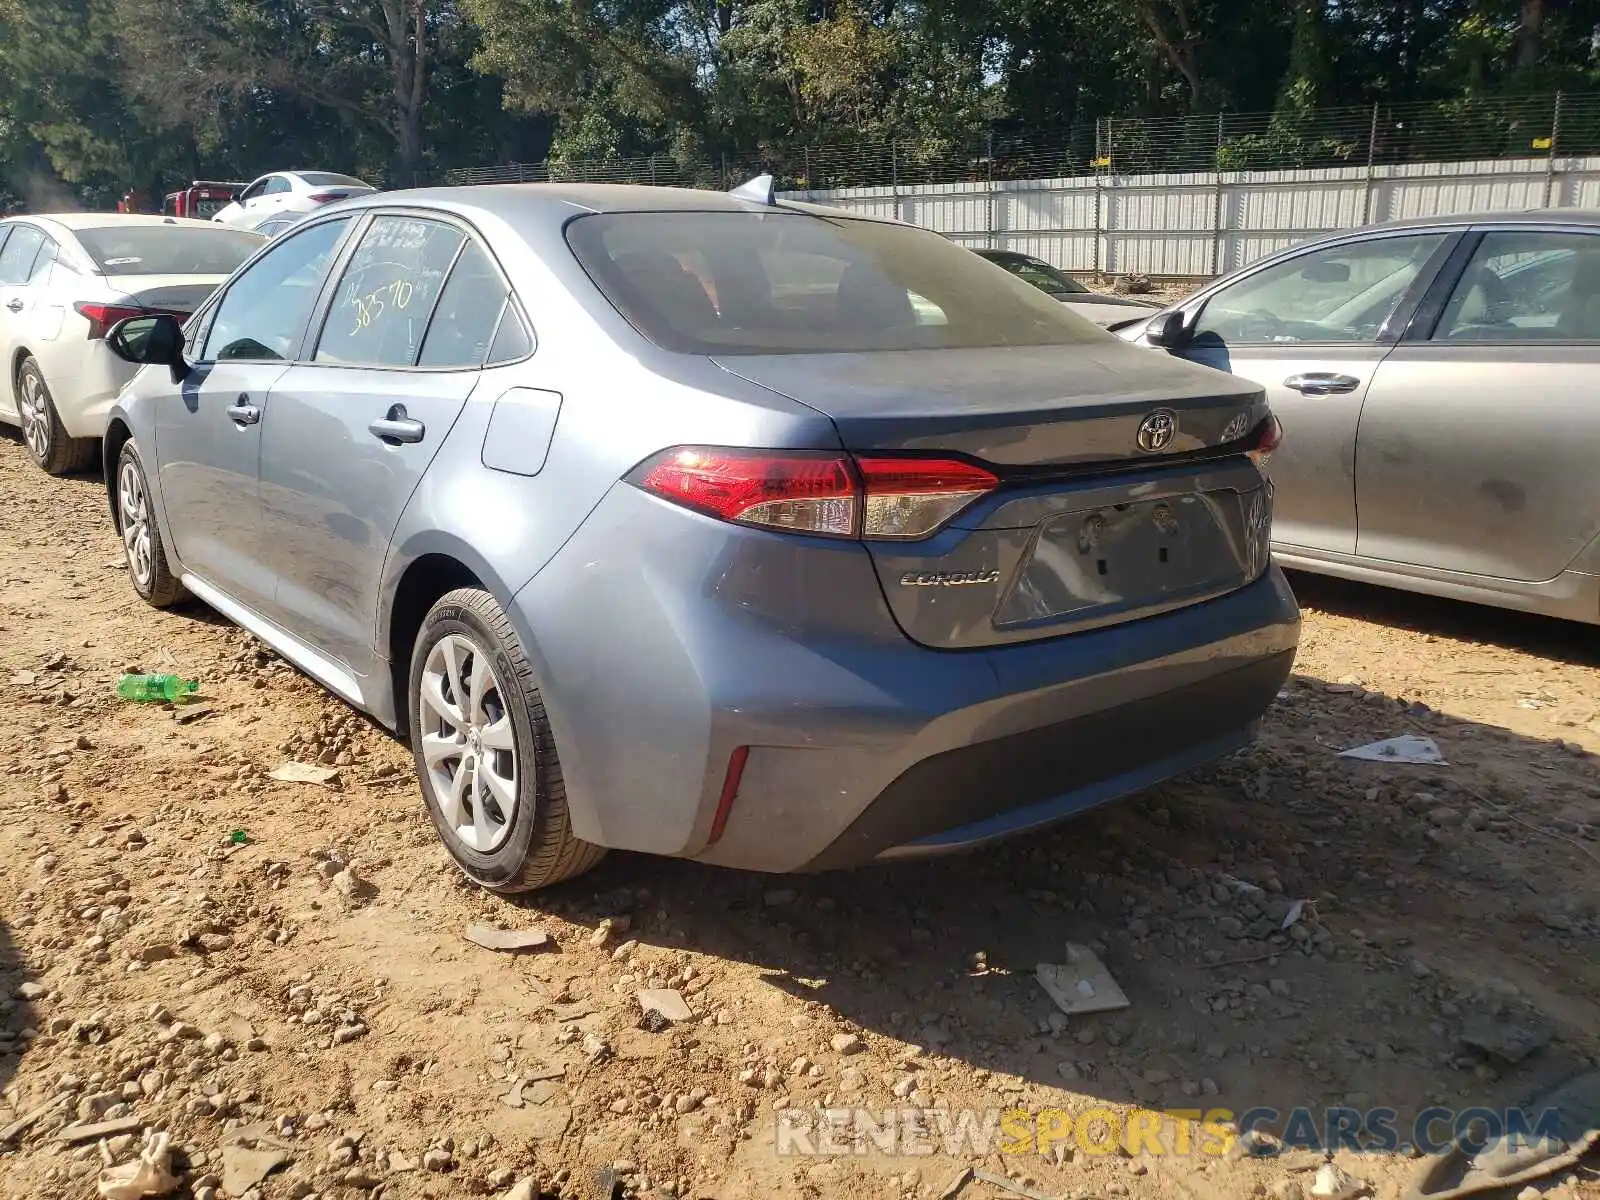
column 539, row 848
column 156, row 584
column 47, row 441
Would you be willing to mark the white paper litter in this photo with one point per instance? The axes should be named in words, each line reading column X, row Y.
column 1407, row 748
column 1293, row 915
column 1081, row 984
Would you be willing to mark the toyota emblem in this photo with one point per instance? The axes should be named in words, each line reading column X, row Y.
column 1157, row 430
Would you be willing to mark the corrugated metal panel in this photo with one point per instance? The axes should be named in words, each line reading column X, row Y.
column 1168, row 224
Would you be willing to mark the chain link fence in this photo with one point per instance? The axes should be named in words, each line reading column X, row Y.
column 1562, row 125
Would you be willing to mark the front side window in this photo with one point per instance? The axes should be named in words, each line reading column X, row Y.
column 16, row 258
column 277, row 185
column 1337, row 294
column 261, row 317
column 793, row 283
column 381, row 309
column 1527, row 286
column 255, row 189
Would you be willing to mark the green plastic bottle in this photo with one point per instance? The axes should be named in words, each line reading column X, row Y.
column 146, row 688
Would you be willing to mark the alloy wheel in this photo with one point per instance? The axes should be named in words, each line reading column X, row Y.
column 134, row 510
column 35, row 420
column 468, row 744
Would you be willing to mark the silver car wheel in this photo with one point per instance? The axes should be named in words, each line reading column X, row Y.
column 35, row 421
column 468, row 745
column 134, row 510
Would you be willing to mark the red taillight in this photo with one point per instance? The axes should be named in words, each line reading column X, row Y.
column 328, row 197
column 911, row 497
column 830, row 494
column 102, row 317
column 1268, row 437
column 805, row 493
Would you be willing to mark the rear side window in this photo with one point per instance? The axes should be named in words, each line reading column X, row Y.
column 381, row 308
column 469, row 308
column 169, row 249
column 16, row 257
column 512, row 341
column 785, row 282
column 1527, row 286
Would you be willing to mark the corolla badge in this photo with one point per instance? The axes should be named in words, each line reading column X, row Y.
column 948, row 578
column 1157, row 430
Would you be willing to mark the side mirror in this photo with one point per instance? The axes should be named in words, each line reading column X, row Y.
column 236, row 197
column 150, row 341
column 1170, row 331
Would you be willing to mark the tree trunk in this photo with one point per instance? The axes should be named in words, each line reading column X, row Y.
column 1528, row 33
column 406, row 41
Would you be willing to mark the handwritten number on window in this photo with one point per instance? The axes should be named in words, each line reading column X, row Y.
column 370, row 307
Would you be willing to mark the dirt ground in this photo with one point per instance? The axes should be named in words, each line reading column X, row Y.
column 183, row 949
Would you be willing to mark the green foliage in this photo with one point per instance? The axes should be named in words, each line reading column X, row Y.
column 97, row 96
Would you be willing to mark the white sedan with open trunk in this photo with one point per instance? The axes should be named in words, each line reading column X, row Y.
column 65, row 280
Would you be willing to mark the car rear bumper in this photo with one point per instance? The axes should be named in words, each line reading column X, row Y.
column 84, row 378
column 669, row 645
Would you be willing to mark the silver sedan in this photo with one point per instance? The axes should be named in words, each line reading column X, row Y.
column 1436, row 382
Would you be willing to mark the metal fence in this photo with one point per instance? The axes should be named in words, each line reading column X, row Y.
column 1186, row 196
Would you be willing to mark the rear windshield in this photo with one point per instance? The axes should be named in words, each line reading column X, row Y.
column 793, row 283
column 324, row 179
column 168, row 249
column 1041, row 274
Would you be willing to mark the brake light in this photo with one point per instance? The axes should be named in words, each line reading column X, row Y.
column 328, row 197
column 911, row 497
column 102, row 317
column 834, row 495
column 1267, row 438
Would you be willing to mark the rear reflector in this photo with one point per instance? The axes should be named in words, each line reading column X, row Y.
column 830, row 494
column 730, row 789
column 102, row 317
column 1267, row 438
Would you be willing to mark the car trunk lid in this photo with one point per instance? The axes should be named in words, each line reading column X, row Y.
column 170, row 293
column 1125, row 489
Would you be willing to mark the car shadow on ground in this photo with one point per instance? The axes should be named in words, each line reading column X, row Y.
column 1416, row 912
column 16, row 1014
column 1564, row 641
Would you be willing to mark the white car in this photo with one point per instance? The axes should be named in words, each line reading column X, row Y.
column 289, row 192
column 64, row 281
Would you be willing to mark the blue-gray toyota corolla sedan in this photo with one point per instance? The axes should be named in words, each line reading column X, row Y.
column 707, row 525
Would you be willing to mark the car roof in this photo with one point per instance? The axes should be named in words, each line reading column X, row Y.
column 77, row 221
column 518, row 202
column 1532, row 216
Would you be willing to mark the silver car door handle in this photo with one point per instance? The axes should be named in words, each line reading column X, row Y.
column 397, row 427
column 14, row 305
column 1322, row 383
column 243, row 413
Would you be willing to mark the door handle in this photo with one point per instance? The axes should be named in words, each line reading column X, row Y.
column 14, row 305
column 243, row 413
column 1322, row 383
column 395, row 427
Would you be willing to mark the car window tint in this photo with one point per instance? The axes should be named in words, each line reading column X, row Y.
column 381, row 308
column 169, row 249
column 790, row 283
column 329, row 179
column 1337, row 294
column 512, row 340
column 276, row 185
column 1527, row 286
column 1042, row 275
column 261, row 316
column 16, row 258
column 43, row 259
column 255, row 189
column 469, row 308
